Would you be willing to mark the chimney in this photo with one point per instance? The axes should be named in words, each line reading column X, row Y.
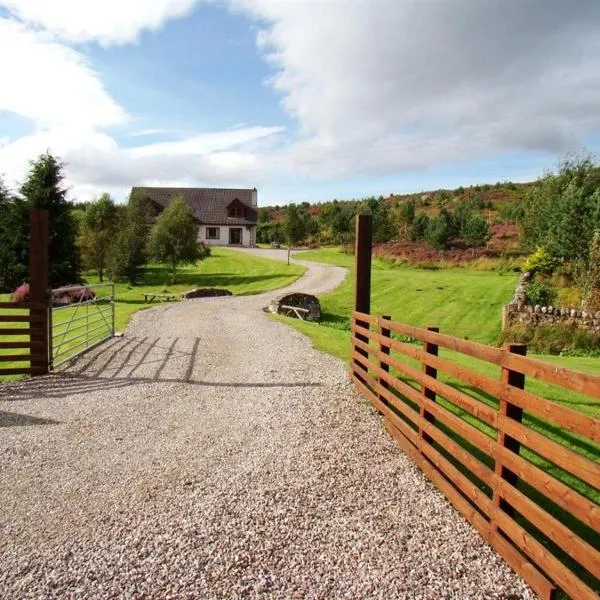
column 254, row 197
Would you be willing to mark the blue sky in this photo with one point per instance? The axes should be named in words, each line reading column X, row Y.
column 306, row 100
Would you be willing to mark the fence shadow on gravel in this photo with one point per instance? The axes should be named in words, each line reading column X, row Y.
column 61, row 385
column 10, row 419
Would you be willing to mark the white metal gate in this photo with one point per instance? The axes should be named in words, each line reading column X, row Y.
column 81, row 317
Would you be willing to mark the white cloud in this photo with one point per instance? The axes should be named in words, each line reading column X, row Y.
column 205, row 143
column 107, row 22
column 376, row 86
column 49, row 82
column 390, row 85
column 96, row 163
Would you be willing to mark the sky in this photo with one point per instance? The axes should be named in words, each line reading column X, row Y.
column 306, row 100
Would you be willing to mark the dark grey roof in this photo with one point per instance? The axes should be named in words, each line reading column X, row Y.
column 208, row 205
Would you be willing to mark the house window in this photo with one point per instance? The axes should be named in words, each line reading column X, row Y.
column 235, row 211
column 213, row 233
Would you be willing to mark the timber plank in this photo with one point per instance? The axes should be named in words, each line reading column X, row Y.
column 476, row 408
column 561, row 535
column 561, row 494
column 576, row 381
column 565, row 458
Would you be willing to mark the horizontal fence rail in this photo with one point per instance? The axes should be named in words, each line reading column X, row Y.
column 523, row 468
column 82, row 318
column 23, row 334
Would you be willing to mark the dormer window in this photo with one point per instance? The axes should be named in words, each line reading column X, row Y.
column 235, row 210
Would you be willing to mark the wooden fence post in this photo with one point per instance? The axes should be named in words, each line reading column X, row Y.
column 428, row 393
column 38, row 288
column 362, row 290
column 386, row 333
column 509, row 411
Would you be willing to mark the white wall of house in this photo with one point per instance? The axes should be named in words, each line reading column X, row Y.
column 223, row 239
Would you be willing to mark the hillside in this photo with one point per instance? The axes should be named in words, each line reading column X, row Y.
column 498, row 204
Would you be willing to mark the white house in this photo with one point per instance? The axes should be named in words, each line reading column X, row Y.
column 225, row 217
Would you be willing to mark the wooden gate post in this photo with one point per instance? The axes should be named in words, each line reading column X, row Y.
column 507, row 410
column 38, row 289
column 386, row 333
column 362, row 290
column 429, row 393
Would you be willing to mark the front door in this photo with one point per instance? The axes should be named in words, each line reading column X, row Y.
column 235, row 236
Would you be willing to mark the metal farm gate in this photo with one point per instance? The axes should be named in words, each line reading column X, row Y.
column 81, row 318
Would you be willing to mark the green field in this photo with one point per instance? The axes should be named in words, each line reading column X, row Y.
column 461, row 302
column 240, row 273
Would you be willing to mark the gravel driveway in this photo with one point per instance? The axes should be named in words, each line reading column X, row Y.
column 212, row 453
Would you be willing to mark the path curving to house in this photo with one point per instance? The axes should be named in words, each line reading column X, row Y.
column 212, row 453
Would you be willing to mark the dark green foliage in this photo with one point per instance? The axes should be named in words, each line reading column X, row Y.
column 294, row 225
column 462, row 214
column 420, row 226
column 512, row 211
column 128, row 254
column 475, row 232
column 554, row 339
column 540, row 293
column 403, row 214
column 563, row 210
column 43, row 188
column 337, row 220
column 98, row 226
column 270, row 232
column 478, row 202
column 263, row 215
column 383, row 226
column 591, row 281
column 441, row 230
column 173, row 237
column 13, row 240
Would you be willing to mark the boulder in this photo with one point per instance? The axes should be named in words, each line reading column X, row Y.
column 204, row 293
column 298, row 305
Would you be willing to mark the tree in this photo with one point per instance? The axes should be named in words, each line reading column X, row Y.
column 441, row 230
column 263, row 215
column 591, row 287
column 563, row 210
column 128, row 254
column 384, row 228
column 294, row 227
column 98, row 228
column 14, row 243
column 476, row 232
column 419, row 227
column 404, row 214
column 43, row 189
column 173, row 237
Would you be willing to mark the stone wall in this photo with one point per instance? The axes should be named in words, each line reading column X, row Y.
column 518, row 312
column 525, row 314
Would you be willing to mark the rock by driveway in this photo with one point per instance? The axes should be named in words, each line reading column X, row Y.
column 212, row 453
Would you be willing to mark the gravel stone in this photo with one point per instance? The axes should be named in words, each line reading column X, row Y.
column 212, row 453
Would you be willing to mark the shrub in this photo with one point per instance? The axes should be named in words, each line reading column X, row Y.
column 21, row 294
column 419, row 226
column 540, row 293
column 540, row 261
column 554, row 339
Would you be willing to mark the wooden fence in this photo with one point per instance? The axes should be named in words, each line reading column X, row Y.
column 17, row 321
column 471, row 434
column 29, row 319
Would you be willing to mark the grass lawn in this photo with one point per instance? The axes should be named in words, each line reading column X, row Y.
column 240, row 273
